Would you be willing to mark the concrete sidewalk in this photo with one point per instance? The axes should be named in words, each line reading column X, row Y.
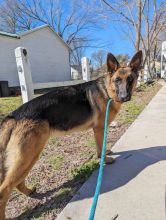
column 134, row 188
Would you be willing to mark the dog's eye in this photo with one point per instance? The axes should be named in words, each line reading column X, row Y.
column 118, row 79
column 130, row 79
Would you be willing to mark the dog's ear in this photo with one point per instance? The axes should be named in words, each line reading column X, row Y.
column 136, row 61
column 112, row 63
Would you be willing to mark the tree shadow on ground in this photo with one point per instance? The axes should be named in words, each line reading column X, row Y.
column 128, row 165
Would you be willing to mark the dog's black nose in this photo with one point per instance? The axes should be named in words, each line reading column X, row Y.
column 125, row 99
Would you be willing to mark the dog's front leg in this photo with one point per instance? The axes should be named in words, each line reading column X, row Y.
column 98, row 133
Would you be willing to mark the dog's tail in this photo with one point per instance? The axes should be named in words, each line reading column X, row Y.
column 6, row 128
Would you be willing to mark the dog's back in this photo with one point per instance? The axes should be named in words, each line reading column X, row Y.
column 63, row 108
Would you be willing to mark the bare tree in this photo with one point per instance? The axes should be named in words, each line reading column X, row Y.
column 98, row 58
column 129, row 15
column 142, row 22
column 69, row 20
column 123, row 59
column 12, row 19
column 138, row 25
column 154, row 26
column 78, row 51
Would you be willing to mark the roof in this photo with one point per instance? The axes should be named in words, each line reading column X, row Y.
column 9, row 34
column 21, row 34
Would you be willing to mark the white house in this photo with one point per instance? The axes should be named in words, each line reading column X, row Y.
column 48, row 55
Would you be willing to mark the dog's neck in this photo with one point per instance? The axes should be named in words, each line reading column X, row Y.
column 103, row 83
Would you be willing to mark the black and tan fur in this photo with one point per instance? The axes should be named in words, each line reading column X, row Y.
column 24, row 132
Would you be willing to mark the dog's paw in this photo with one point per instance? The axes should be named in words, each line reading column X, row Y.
column 109, row 159
column 109, row 152
column 32, row 192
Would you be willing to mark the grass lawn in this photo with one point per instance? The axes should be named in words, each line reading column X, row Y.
column 9, row 104
column 67, row 162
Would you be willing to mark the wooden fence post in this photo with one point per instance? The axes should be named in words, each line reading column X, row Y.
column 85, row 69
column 24, row 73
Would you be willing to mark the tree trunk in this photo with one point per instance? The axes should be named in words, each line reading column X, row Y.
column 138, row 39
column 155, row 42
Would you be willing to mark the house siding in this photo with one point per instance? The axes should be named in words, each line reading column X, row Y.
column 8, row 69
column 48, row 55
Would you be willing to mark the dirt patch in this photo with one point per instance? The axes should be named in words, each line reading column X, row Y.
column 67, row 162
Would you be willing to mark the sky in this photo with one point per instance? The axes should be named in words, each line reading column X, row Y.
column 115, row 41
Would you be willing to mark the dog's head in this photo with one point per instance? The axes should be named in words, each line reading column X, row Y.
column 122, row 79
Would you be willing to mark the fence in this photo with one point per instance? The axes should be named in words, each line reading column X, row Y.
column 25, row 77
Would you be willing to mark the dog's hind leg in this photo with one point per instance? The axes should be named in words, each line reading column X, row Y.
column 23, row 150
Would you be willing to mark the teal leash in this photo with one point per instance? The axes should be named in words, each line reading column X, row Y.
column 100, row 175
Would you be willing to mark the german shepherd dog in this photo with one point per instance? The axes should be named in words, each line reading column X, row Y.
column 25, row 131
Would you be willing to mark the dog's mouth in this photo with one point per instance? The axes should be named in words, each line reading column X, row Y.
column 122, row 100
